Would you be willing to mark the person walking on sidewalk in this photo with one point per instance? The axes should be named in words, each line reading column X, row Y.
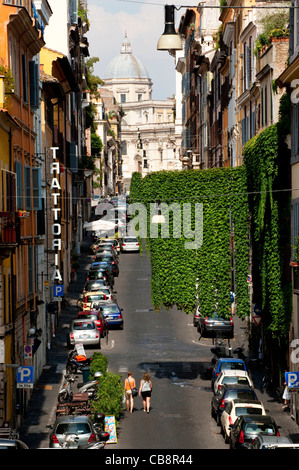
column 129, row 385
column 145, row 390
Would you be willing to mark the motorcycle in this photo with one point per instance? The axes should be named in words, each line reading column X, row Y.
column 76, row 362
column 90, row 387
column 240, row 354
column 65, row 394
column 218, row 351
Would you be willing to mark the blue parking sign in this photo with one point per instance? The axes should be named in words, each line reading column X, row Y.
column 25, row 377
column 58, row 290
column 292, row 379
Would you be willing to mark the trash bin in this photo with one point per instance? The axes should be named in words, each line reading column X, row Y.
column 85, row 373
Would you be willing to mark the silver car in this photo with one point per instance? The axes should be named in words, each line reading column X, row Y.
column 81, row 426
column 129, row 244
column 85, row 332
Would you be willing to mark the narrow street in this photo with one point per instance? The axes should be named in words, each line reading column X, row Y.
column 166, row 345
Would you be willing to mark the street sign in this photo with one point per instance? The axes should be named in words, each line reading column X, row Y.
column 58, row 290
column 292, row 379
column 257, row 309
column 57, row 299
column 257, row 319
column 27, row 351
column 25, row 377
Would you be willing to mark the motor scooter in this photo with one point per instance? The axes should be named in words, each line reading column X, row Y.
column 76, row 362
column 65, row 393
column 90, row 387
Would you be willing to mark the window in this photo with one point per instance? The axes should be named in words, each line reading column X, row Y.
column 123, row 98
column 33, row 78
column 124, row 149
column 19, row 173
column 24, row 77
column 139, row 97
column 27, row 188
column 30, row 270
column 36, row 185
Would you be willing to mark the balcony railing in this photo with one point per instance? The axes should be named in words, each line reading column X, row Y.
column 9, row 228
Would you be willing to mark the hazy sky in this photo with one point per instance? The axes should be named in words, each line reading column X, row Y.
column 144, row 23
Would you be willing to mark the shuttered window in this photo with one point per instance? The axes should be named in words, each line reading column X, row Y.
column 36, row 186
column 19, row 173
column 27, row 188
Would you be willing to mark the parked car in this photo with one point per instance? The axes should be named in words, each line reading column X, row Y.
column 12, row 444
column 101, row 273
column 271, row 442
column 85, row 332
column 108, row 293
column 129, row 244
column 95, row 284
column 237, row 408
column 82, row 426
column 109, row 247
column 226, row 377
column 214, row 325
column 110, row 260
column 247, row 428
column 113, row 314
column 112, row 241
column 94, row 296
column 227, row 363
column 97, row 317
column 226, row 394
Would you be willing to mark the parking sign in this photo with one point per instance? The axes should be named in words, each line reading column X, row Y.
column 292, row 379
column 58, row 290
column 25, row 377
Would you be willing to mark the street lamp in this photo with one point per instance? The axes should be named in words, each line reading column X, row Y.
column 169, row 40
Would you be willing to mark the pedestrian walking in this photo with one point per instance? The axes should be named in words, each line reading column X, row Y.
column 130, row 383
column 145, row 390
column 286, row 397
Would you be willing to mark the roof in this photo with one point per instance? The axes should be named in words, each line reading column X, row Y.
column 125, row 65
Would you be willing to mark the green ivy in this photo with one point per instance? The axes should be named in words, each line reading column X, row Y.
column 175, row 269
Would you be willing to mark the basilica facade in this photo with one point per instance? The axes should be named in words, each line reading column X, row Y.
column 148, row 137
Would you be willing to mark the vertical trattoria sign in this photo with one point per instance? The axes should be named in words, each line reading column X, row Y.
column 56, row 210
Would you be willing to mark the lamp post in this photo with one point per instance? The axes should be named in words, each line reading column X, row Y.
column 169, row 40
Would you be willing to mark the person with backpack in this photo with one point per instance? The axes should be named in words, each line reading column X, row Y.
column 145, row 390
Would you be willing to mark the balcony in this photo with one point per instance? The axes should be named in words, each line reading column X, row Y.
column 9, row 231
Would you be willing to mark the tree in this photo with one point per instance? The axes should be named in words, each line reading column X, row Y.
column 96, row 144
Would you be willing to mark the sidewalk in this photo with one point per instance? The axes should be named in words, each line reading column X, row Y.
column 42, row 405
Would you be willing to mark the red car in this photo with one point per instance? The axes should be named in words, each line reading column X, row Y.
column 98, row 318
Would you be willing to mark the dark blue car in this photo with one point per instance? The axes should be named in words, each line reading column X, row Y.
column 227, row 363
column 112, row 314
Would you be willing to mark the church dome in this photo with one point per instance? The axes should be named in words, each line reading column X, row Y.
column 125, row 65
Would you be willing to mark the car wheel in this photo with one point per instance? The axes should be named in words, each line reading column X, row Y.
column 226, row 438
column 121, row 327
column 218, row 420
column 99, row 346
column 213, row 412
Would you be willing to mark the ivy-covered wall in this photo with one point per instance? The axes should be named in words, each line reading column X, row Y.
column 175, row 269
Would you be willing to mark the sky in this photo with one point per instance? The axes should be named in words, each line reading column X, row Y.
column 143, row 21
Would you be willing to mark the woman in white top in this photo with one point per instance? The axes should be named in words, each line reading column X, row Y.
column 145, row 390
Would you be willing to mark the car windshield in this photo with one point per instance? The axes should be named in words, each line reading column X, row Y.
column 232, row 366
column 89, row 317
column 77, row 428
column 256, row 428
column 82, row 325
column 110, row 309
column 247, row 410
column 94, row 285
column 93, row 298
column 235, row 380
column 240, row 394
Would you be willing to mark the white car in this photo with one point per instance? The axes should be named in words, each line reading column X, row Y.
column 85, row 332
column 236, row 408
column 238, row 377
column 129, row 244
